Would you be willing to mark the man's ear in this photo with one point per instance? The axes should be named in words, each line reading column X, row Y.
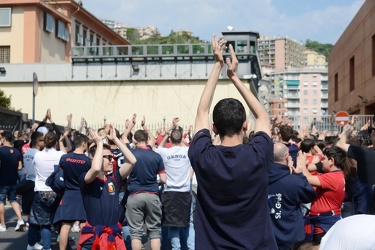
column 214, row 129
column 244, row 125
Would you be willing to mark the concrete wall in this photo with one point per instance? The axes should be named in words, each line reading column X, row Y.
column 95, row 93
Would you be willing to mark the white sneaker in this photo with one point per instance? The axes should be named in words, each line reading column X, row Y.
column 3, row 228
column 75, row 229
column 19, row 226
column 35, row 247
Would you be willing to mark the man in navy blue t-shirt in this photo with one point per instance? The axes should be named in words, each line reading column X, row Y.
column 100, row 194
column 232, row 210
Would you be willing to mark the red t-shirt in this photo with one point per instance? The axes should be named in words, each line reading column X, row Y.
column 330, row 195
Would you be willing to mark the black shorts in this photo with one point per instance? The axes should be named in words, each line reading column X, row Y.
column 176, row 208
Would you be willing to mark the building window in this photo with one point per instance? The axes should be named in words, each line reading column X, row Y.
column 242, row 46
column 77, row 35
column 305, row 84
column 305, row 92
column 315, row 101
column 305, row 111
column 48, row 22
column 336, row 87
column 351, row 74
column 305, row 101
column 315, row 92
column 315, row 84
column 84, row 37
column 373, row 55
column 5, row 17
column 279, row 105
column 4, row 54
column 61, row 31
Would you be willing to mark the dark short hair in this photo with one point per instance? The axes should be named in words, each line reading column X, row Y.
column 34, row 138
column 337, row 154
column 228, row 116
column 307, row 145
column 286, row 132
column 176, row 136
column 79, row 139
column 7, row 135
column 141, row 136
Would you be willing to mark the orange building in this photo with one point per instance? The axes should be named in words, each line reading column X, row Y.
column 351, row 70
column 44, row 31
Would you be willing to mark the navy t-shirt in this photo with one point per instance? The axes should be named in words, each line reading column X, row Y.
column 9, row 159
column 143, row 177
column 232, row 208
column 100, row 199
column 74, row 165
column 365, row 158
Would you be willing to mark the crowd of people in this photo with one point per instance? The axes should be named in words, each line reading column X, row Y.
column 269, row 187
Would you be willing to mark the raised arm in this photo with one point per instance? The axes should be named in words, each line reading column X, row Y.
column 343, row 137
column 127, row 167
column 301, row 168
column 202, row 118
column 130, row 126
column 97, row 162
column 262, row 120
column 151, row 137
column 61, row 141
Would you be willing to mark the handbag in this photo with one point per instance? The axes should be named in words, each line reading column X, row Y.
column 56, row 180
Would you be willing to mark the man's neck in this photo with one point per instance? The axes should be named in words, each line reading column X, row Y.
column 231, row 141
column 79, row 150
column 6, row 143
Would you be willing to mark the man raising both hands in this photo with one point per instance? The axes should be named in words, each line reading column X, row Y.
column 231, row 211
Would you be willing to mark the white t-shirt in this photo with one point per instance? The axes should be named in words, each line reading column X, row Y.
column 177, row 168
column 44, row 162
column 28, row 159
column 355, row 232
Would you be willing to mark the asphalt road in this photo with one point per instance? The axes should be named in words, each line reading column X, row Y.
column 12, row 240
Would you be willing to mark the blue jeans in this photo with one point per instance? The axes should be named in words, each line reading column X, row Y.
column 191, row 238
column 165, row 243
column 178, row 237
column 127, row 239
column 8, row 191
column 33, row 235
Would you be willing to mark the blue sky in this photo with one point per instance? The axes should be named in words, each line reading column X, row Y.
column 320, row 20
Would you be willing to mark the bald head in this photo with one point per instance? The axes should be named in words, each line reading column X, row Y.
column 280, row 151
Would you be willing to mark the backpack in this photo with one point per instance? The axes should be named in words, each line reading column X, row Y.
column 56, row 180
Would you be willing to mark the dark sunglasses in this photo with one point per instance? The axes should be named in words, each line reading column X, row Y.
column 109, row 157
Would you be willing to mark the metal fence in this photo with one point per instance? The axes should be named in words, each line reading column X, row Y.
column 325, row 122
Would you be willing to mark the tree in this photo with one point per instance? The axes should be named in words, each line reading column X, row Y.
column 4, row 100
column 320, row 48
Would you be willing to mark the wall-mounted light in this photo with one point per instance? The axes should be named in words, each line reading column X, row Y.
column 135, row 67
column 2, row 70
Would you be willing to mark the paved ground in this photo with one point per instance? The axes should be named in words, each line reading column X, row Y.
column 11, row 240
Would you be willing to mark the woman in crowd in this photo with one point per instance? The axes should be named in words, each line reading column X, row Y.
column 45, row 202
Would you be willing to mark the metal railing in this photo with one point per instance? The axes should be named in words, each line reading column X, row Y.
column 298, row 122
